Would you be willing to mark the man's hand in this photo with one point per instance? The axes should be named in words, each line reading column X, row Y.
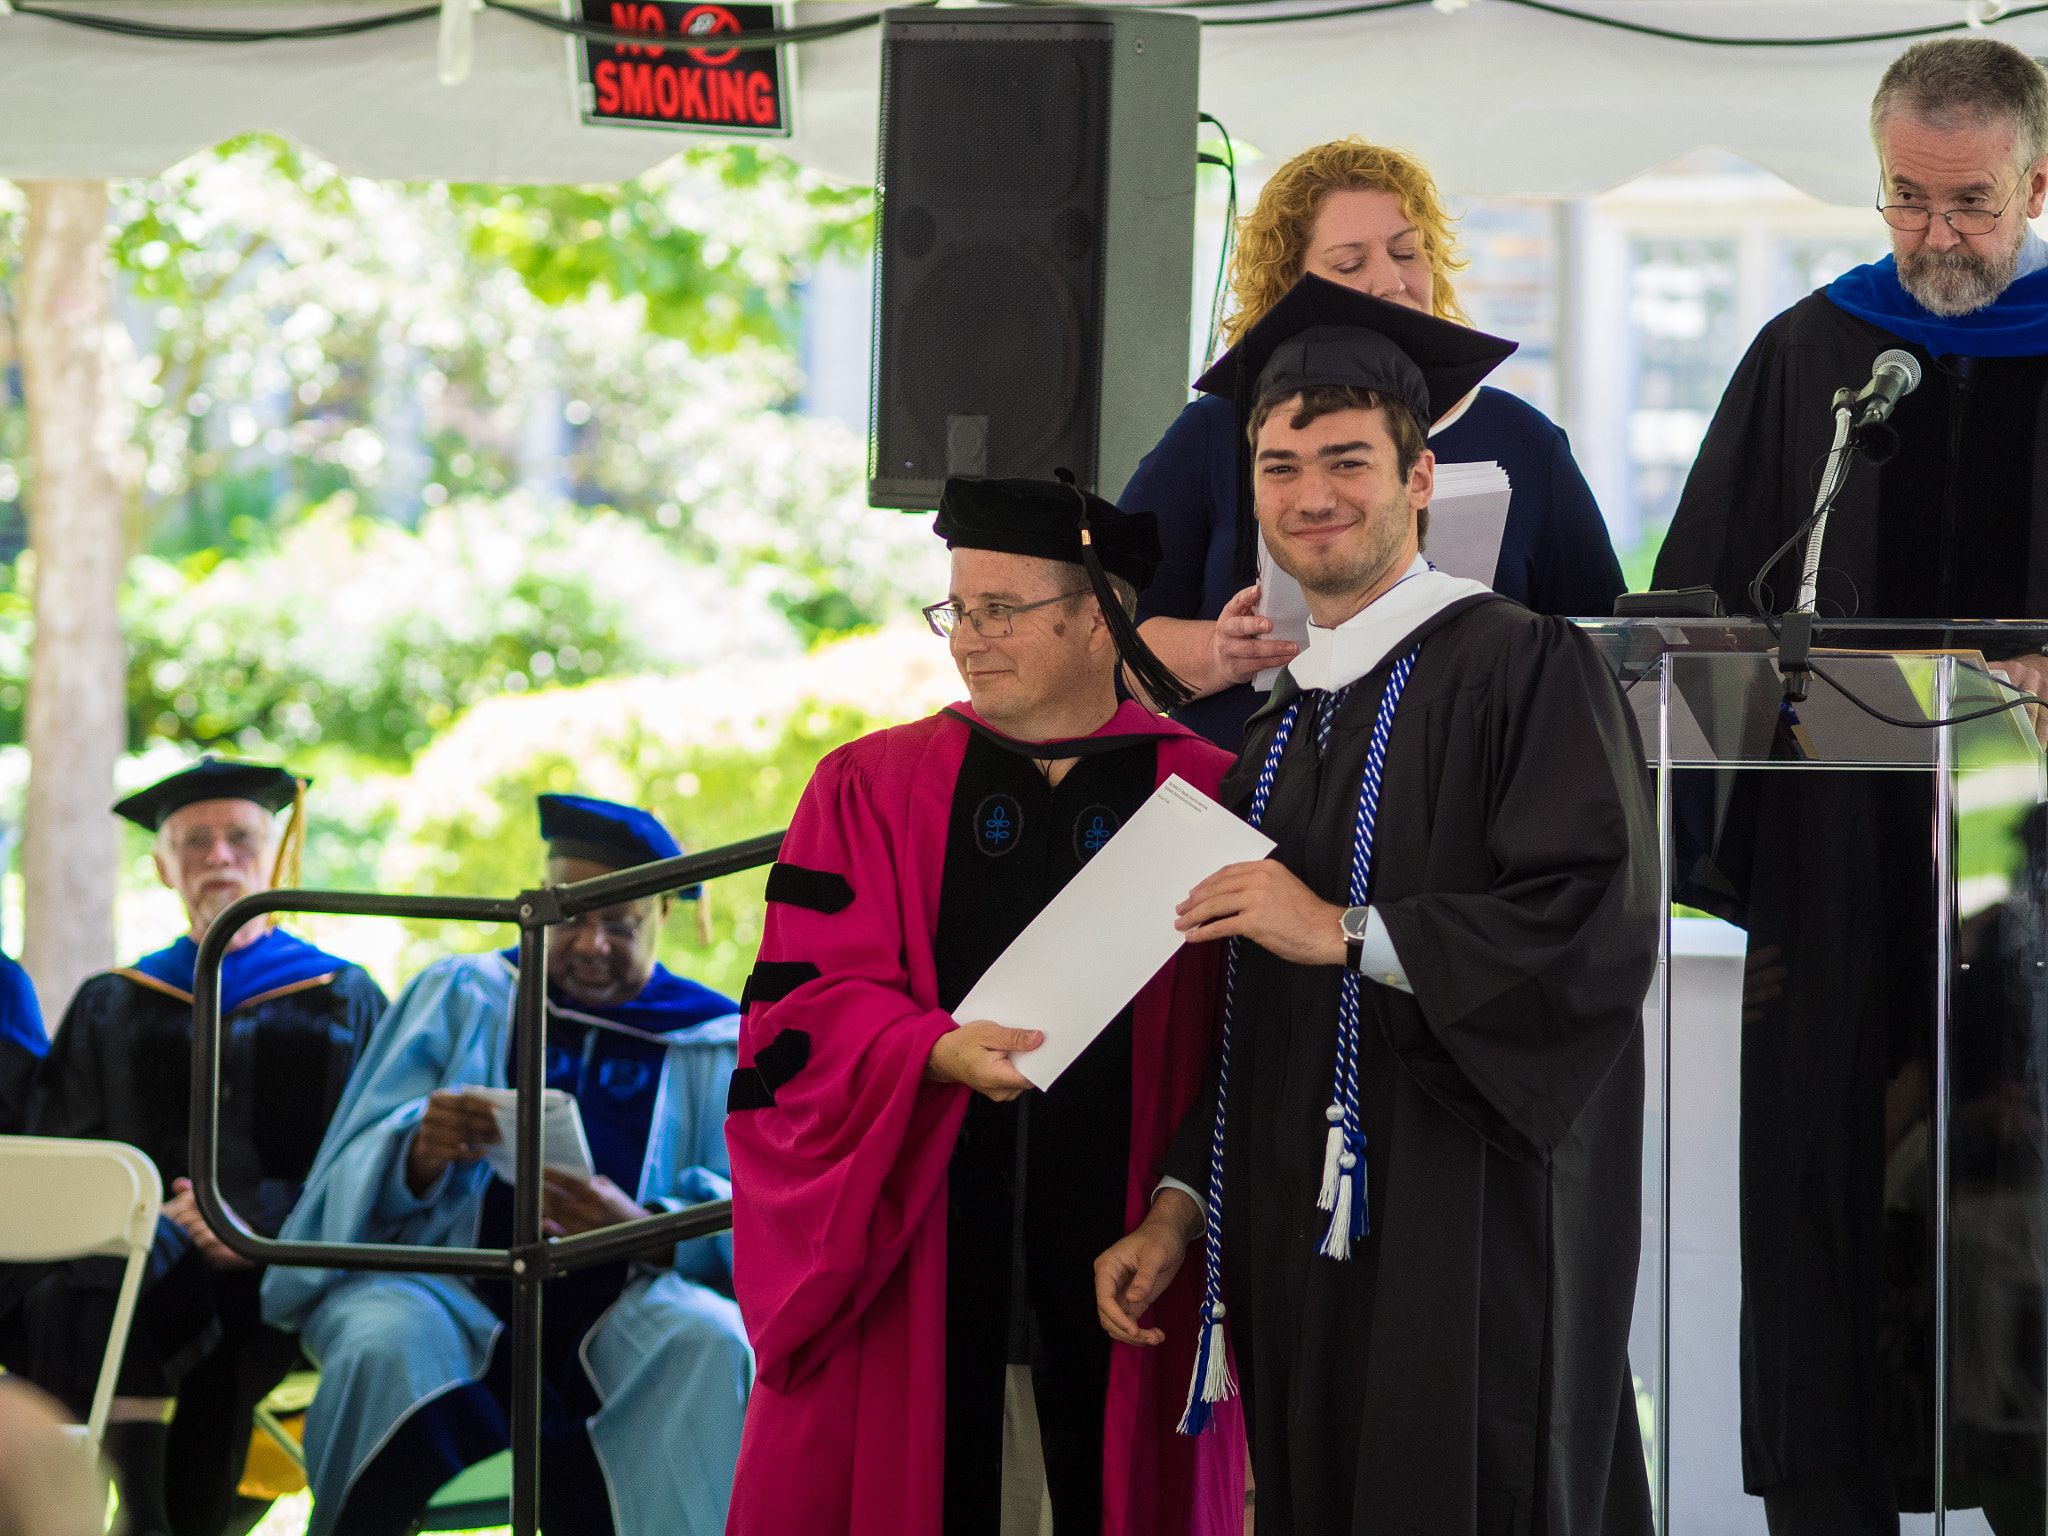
column 978, row 1055
column 1266, row 903
column 455, row 1129
column 1238, row 645
column 1131, row 1276
column 2029, row 674
column 569, row 1205
column 183, row 1208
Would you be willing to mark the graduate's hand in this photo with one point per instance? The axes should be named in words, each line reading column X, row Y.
column 978, row 1055
column 455, row 1129
column 569, row 1205
column 1266, row 903
column 1131, row 1276
column 183, row 1208
column 1241, row 645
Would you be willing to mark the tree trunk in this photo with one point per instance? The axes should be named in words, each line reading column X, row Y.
column 75, row 721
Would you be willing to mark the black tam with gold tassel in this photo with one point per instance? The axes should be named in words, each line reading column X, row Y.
column 1057, row 520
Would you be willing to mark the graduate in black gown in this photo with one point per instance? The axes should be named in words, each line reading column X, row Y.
column 1427, row 1160
column 294, row 1019
column 1830, row 873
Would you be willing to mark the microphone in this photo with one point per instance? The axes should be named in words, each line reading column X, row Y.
column 1895, row 375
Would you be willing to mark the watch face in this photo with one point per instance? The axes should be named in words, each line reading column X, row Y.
column 1353, row 922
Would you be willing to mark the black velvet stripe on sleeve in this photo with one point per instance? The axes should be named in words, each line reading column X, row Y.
column 777, row 1062
column 819, row 890
column 773, row 980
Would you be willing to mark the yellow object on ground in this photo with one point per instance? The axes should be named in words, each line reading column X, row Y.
column 269, row 1473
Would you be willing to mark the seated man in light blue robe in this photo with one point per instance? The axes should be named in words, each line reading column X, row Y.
column 646, row 1365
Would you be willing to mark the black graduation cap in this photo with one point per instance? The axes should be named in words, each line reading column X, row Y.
column 1324, row 333
column 211, row 778
column 605, row 832
column 1057, row 520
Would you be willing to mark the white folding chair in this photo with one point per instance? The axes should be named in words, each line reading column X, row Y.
column 64, row 1199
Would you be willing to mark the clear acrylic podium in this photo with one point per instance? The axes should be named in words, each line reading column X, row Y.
column 1842, row 1314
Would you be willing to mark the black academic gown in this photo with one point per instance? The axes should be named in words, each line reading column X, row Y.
column 119, row 1069
column 1830, row 874
column 1466, row 1372
column 1036, row 1188
column 1946, row 529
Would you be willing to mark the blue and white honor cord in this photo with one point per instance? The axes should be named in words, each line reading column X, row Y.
column 1343, row 1188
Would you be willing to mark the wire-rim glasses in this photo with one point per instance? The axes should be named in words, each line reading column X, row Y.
column 1913, row 217
column 991, row 621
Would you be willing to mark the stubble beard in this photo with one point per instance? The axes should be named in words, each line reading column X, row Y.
column 1959, row 282
column 1386, row 528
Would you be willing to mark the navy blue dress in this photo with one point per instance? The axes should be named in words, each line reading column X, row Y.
column 1555, row 556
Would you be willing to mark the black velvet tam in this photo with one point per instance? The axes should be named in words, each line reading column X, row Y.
column 1043, row 518
column 211, row 778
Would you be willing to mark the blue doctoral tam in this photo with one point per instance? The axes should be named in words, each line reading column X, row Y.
column 605, row 832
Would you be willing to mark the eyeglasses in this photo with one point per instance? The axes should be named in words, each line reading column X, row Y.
column 1964, row 221
column 200, row 841
column 614, row 928
column 991, row 622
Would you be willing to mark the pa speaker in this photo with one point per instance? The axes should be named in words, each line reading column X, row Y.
column 1034, row 244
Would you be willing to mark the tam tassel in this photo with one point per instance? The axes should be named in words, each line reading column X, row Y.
column 1151, row 676
column 704, row 934
column 286, row 872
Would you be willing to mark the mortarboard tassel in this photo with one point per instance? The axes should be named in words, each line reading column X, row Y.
column 704, row 917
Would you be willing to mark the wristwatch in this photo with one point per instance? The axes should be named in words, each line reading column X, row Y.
column 1353, row 923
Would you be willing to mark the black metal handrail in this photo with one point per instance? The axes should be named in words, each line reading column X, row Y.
column 532, row 1258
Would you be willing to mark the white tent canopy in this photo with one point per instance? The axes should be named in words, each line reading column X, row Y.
column 1499, row 99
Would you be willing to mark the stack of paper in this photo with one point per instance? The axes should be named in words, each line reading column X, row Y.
column 1084, row 957
column 562, row 1144
column 1468, row 512
column 1467, row 516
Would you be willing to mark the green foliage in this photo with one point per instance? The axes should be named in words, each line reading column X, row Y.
column 706, row 796
column 353, row 634
column 651, row 239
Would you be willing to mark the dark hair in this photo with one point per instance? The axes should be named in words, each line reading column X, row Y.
column 1951, row 82
column 1320, row 400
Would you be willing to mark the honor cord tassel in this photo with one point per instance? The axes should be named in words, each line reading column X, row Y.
column 1211, row 1382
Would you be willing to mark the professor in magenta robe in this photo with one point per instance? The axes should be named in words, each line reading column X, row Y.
column 914, row 1226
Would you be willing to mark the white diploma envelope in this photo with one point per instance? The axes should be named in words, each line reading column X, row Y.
column 1102, row 938
column 562, row 1144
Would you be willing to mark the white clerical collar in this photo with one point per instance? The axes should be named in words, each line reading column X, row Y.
column 1343, row 655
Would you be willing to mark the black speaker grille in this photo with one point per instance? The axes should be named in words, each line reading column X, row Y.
column 993, row 172
column 994, row 332
column 991, row 125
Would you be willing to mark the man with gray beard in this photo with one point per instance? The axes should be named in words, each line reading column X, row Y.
column 1829, row 873
column 1947, row 527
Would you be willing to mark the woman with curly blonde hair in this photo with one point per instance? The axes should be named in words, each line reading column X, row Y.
column 1371, row 218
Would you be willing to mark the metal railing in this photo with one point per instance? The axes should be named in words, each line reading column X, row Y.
column 532, row 1259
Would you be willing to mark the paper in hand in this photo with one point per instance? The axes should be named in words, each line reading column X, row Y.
column 562, row 1144
column 1083, row 958
column 1468, row 515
